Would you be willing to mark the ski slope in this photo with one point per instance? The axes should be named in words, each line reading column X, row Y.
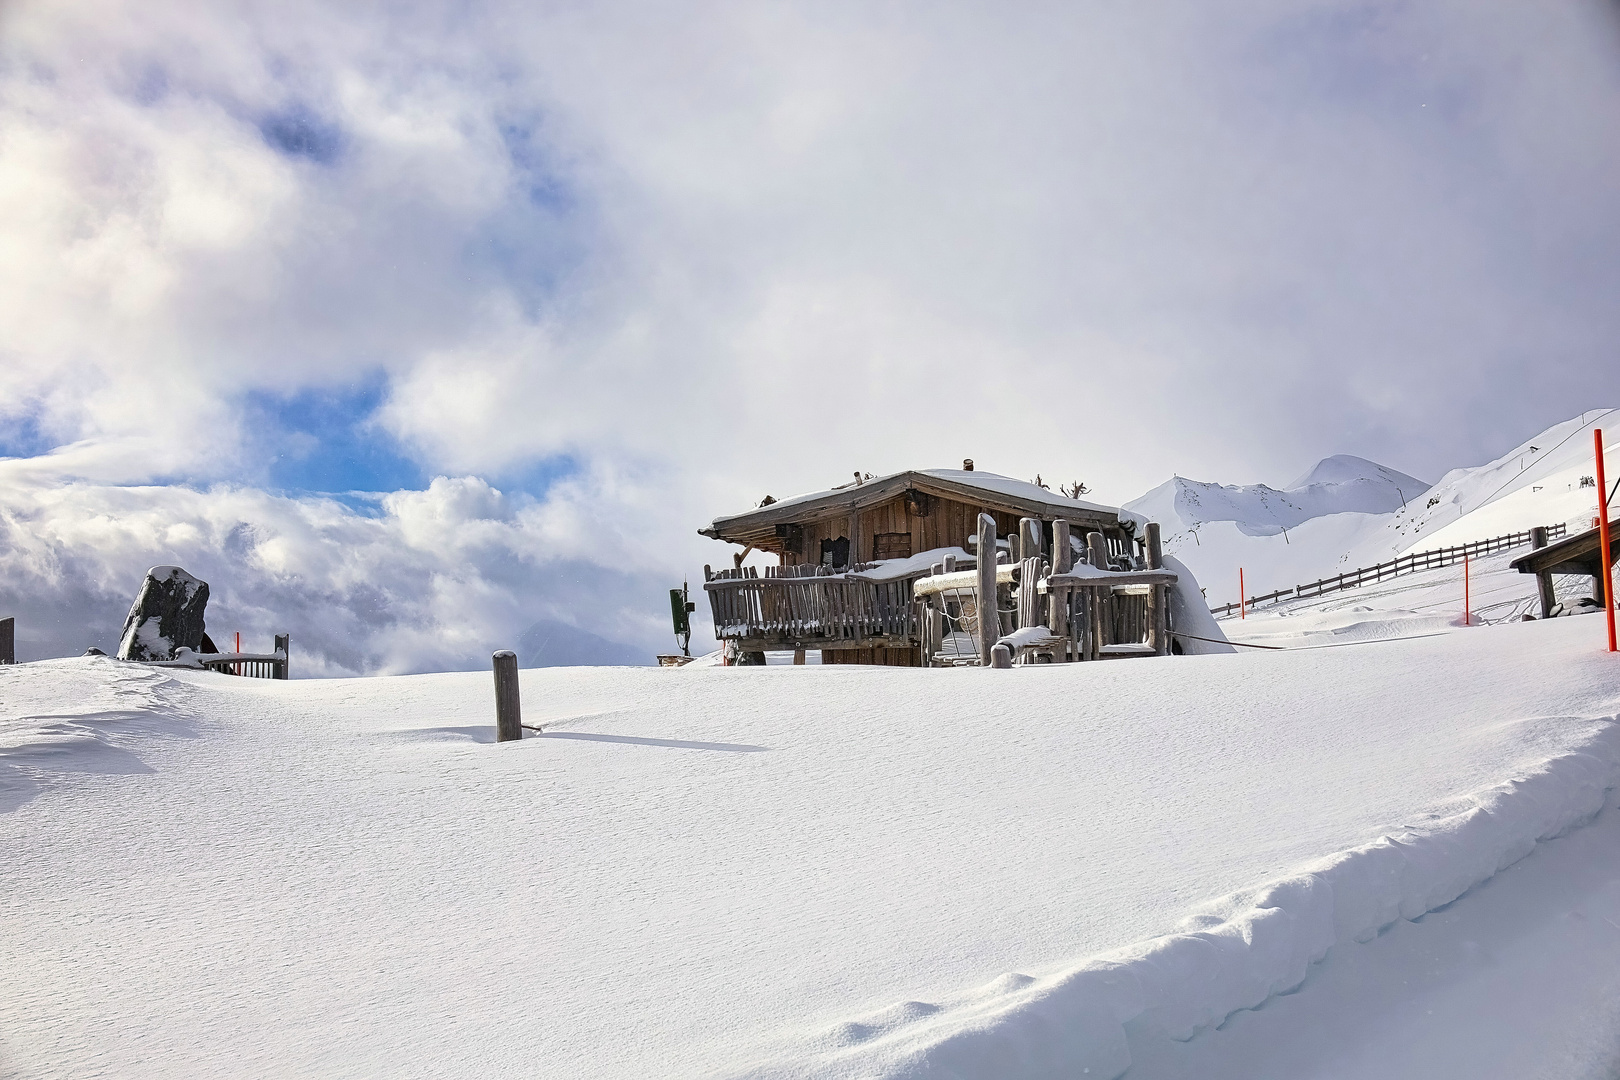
column 1349, row 512
column 765, row 872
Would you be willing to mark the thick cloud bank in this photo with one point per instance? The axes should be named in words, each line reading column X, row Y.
column 738, row 249
column 412, row 581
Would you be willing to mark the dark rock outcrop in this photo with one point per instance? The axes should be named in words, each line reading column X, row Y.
column 167, row 615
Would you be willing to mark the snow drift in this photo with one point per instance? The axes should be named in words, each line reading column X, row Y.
column 836, row 872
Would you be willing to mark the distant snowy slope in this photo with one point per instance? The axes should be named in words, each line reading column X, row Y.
column 1348, row 512
column 1277, row 536
column 1538, row 482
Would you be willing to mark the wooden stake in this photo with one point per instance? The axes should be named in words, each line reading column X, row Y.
column 1603, row 536
column 8, row 641
column 508, row 711
column 1243, row 604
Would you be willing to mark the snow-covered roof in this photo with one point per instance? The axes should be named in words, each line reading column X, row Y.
column 987, row 489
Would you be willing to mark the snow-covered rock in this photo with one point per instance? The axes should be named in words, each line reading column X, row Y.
column 167, row 616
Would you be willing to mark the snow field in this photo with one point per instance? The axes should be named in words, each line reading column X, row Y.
column 837, row 871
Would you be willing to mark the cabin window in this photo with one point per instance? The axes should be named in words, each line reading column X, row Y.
column 891, row 546
column 835, row 552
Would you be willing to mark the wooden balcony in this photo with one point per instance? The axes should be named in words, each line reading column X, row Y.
column 811, row 607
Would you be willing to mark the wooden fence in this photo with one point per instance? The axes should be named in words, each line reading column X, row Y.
column 1405, row 564
column 253, row 665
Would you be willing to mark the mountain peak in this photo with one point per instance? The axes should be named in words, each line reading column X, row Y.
column 1347, row 469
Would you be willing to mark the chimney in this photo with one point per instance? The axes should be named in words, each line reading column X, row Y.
column 967, row 464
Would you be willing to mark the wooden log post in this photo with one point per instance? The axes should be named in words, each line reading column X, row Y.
column 508, row 711
column 1544, row 581
column 798, row 657
column 1029, row 539
column 1097, row 556
column 1062, row 548
column 1001, row 657
column 1057, row 599
column 989, row 621
column 282, row 643
column 1158, row 606
column 8, row 641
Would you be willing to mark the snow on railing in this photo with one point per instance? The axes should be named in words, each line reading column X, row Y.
column 1405, row 564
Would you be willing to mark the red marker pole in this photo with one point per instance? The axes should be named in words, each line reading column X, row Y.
column 238, row 664
column 1243, row 605
column 1603, row 536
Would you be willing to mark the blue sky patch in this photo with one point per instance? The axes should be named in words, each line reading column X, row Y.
column 323, row 440
column 20, row 436
column 301, row 133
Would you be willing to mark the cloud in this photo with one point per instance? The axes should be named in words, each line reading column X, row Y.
column 728, row 250
column 411, row 581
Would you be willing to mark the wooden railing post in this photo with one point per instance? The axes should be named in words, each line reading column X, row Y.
column 508, row 711
column 1158, row 613
column 1544, row 582
column 989, row 620
column 282, row 641
column 8, row 640
column 1029, row 539
column 1062, row 548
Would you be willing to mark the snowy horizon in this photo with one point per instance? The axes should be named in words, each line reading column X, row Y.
column 421, row 327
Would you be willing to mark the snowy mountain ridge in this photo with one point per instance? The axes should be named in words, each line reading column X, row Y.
column 1336, row 485
column 1347, row 511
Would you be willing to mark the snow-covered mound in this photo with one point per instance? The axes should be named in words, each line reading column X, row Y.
column 1279, row 536
column 769, row 872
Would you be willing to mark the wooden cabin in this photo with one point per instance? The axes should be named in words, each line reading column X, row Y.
column 849, row 558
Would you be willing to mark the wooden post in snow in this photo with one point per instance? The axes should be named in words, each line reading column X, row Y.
column 8, row 641
column 508, row 711
column 1001, row 657
column 1544, row 581
column 1097, row 598
column 1158, row 600
column 282, row 641
column 989, row 621
column 1057, row 600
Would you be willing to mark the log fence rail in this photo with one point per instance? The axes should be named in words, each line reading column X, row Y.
column 1410, row 563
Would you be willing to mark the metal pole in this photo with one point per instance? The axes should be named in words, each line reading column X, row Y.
column 1603, row 536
